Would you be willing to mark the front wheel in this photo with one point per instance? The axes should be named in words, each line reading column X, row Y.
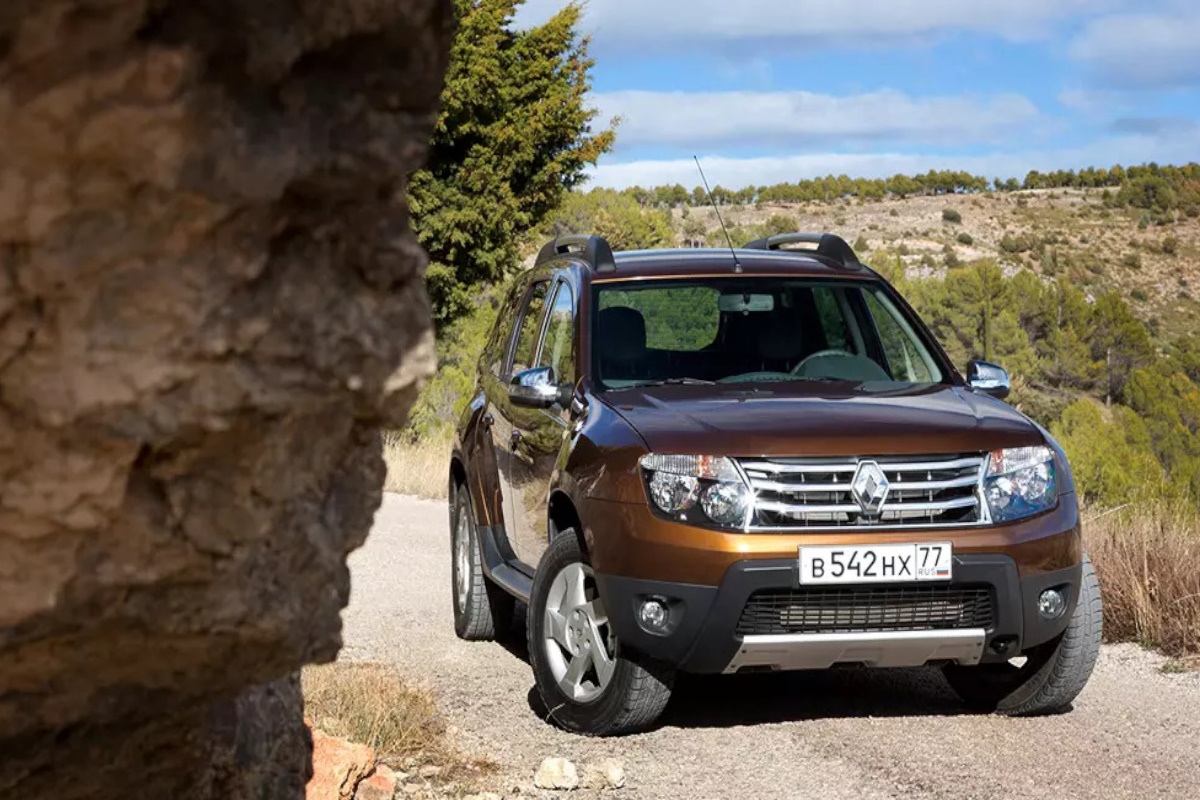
column 1053, row 674
column 587, row 683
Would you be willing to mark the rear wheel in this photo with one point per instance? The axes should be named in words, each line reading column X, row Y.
column 587, row 683
column 1053, row 674
column 482, row 610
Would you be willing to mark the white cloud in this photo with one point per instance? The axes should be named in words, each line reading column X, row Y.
column 733, row 173
column 1154, row 51
column 799, row 118
column 630, row 24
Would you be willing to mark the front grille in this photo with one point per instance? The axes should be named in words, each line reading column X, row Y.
column 922, row 608
column 812, row 492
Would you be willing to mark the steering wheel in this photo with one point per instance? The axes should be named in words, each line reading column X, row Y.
column 820, row 354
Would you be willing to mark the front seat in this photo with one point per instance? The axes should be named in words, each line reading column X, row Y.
column 780, row 342
column 621, row 345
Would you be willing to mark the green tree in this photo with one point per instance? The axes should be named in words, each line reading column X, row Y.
column 1120, row 342
column 1110, row 455
column 514, row 134
column 613, row 215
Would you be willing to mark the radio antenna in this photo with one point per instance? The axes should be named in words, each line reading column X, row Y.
column 737, row 265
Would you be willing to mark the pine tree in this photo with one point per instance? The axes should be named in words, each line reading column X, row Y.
column 514, row 135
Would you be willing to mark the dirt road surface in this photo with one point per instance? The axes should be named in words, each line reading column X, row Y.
column 1134, row 733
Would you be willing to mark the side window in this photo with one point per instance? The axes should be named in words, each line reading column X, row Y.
column 497, row 347
column 833, row 321
column 556, row 349
column 904, row 361
column 531, row 326
column 681, row 318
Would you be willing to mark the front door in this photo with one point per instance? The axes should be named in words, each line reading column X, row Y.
column 511, row 421
column 539, row 434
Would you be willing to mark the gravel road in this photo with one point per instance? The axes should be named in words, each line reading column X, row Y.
column 1134, row 733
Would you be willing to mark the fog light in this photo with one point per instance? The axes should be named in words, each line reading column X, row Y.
column 1052, row 603
column 653, row 616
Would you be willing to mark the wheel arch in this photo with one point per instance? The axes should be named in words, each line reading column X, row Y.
column 562, row 514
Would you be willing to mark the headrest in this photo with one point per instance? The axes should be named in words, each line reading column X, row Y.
column 779, row 337
column 622, row 333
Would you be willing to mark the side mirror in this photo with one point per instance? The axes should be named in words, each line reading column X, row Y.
column 535, row 388
column 989, row 379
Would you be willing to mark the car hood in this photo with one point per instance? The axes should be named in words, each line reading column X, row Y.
column 820, row 419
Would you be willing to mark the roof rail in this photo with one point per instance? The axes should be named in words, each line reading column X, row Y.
column 828, row 245
column 592, row 249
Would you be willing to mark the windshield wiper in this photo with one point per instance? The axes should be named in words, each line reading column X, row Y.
column 678, row 382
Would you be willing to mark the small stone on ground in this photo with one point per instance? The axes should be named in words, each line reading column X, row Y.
column 607, row 773
column 556, row 773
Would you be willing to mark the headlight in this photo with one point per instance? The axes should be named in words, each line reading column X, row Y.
column 1020, row 482
column 701, row 489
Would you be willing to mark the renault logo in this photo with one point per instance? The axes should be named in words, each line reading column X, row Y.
column 869, row 487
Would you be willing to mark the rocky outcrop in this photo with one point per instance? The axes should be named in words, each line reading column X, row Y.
column 210, row 301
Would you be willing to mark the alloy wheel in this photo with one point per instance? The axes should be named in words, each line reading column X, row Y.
column 578, row 639
column 462, row 561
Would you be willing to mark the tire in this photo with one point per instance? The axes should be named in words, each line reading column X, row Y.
column 1054, row 673
column 482, row 610
column 637, row 691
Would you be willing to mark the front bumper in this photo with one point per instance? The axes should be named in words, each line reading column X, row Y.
column 703, row 633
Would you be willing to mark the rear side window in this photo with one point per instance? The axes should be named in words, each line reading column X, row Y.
column 497, row 347
column 833, row 321
column 904, row 360
column 531, row 327
column 677, row 318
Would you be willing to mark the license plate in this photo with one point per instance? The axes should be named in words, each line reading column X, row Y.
column 880, row 563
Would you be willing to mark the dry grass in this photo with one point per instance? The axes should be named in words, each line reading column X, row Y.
column 371, row 704
column 416, row 468
column 1148, row 562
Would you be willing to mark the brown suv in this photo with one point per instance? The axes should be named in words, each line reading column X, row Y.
column 726, row 461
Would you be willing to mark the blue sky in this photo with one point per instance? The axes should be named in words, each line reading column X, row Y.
column 767, row 91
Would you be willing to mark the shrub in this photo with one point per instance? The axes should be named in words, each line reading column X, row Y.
column 927, row 261
column 1144, row 222
column 1015, row 244
column 950, row 215
column 781, row 223
column 1140, row 295
column 893, row 212
column 1170, row 245
column 1132, row 260
column 964, row 238
column 860, row 245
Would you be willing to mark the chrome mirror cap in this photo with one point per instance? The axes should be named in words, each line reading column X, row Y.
column 534, row 388
column 990, row 379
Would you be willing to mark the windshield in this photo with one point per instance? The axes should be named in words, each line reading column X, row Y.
column 738, row 330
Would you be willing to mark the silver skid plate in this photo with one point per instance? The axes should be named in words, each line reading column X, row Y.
column 875, row 649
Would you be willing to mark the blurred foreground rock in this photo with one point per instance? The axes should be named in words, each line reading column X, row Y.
column 210, row 300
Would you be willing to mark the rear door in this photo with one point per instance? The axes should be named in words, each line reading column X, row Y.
column 539, row 433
